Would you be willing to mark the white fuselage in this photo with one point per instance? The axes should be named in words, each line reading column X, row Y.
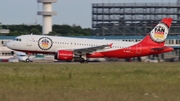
column 30, row 43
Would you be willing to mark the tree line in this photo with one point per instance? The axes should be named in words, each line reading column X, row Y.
column 60, row 30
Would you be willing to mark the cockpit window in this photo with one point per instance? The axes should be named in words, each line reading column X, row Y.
column 18, row 39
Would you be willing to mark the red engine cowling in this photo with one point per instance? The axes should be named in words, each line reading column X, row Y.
column 64, row 55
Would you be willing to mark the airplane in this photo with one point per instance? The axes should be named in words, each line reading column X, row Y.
column 69, row 48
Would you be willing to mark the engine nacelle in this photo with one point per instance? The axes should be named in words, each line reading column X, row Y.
column 64, row 55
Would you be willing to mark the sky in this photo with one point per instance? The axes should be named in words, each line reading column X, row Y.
column 70, row 12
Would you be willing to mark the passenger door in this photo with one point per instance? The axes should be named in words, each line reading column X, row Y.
column 29, row 41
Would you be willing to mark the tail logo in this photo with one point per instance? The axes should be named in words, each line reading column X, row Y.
column 159, row 33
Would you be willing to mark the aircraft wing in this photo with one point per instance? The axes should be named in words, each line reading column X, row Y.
column 81, row 51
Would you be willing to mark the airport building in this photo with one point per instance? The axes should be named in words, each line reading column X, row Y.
column 132, row 19
column 47, row 14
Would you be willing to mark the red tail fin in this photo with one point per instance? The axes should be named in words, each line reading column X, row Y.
column 159, row 33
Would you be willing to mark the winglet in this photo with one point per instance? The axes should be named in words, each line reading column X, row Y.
column 110, row 45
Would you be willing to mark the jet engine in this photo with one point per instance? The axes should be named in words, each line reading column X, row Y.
column 64, row 55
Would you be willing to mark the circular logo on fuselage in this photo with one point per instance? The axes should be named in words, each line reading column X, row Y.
column 45, row 43
column 159, row 33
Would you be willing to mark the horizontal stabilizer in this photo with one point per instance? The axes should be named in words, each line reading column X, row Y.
column 162, row 48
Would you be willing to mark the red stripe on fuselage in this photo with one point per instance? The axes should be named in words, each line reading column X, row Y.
column 29, row 51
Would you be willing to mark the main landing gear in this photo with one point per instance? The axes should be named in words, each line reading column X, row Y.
column 83, row 59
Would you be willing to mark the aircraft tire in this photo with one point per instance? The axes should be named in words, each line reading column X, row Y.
column 27, row 60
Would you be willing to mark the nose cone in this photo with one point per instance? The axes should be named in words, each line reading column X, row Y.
column 10, row 45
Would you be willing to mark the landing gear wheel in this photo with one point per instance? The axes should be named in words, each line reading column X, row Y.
column 27, row 60
column 83, row 61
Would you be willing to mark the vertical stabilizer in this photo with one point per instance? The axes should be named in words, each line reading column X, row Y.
column 158, row 35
